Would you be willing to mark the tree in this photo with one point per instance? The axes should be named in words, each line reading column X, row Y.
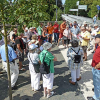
column 19, row 12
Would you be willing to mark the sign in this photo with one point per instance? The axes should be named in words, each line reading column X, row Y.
column 77, row 3
column 98, row 7
column 73, row 9
column 82, row 7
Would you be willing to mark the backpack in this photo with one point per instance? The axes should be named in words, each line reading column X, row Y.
column 44, row 67
column 77, row 58
column 23, row 44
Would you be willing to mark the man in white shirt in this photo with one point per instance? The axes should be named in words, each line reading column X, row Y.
column 93, row 34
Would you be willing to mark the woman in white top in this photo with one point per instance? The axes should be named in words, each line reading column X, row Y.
column 34, row 59
column 75, row 66
column 67, row 36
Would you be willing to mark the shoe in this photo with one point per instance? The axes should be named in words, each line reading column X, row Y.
column 38, row 89
column 90, row 98
column 93, row 51
column 48, row 96
column 14, row 88
column 88, row 49
column 45, row 95
column 1, row 72
column 73, row 83
column 32, row 89
column 93, row 89
column 79, row 78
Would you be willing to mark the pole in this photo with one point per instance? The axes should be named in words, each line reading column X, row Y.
column 56, row 10
column 98, row 15
column 64, row 9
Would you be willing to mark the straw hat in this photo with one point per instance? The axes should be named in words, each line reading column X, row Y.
column 47, row 45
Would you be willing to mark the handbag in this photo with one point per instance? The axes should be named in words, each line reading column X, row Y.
column 36, row 66
column 65, row 38
column 44, row 67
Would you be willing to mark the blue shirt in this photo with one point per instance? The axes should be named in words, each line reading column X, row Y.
column 11, row 53
column 75, row 30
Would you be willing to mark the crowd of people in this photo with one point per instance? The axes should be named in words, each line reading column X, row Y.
column 36, row 44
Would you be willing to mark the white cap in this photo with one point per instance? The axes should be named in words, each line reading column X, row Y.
column 31, row 28
column 26, row 28
column 32, row 46
column 95, row 25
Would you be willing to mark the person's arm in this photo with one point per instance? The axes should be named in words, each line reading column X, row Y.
column 19, row 48
column 43, row 34
column 97, row 66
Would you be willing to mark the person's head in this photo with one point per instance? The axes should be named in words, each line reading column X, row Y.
column 74, row 43
column 95, row 26
column 34, row 37
column 97, row 39
column 67, row 26
column 71, row 24
column 75, row 22
column 75, row 25
column 64, row 21
column 55, row 22
column 20, row 35
column 32, row 48
column 50, row 24
column 8, row 39
column 44, row 28
column 31, row 29
column 47, row 46
column 96, row 15
column 85, row 23
column 15, row 30
column 83, row 28
column 26, row 29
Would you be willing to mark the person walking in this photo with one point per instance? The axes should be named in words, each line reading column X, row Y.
column 48, row 78
column 12, row 62
column 95, row 19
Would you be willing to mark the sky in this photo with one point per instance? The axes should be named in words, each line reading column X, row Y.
column 63, row 1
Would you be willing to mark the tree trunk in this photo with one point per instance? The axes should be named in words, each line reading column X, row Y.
column 7, row 59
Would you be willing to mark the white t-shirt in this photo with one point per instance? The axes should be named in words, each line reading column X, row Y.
column 95, row 31
column 67, row 33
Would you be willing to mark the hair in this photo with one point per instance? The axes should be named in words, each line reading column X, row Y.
column 32, row 51
column 74, row 43
column 14, row 29
column 34, row 37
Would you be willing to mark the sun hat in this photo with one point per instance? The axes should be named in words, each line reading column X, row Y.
column 95, row 25
column 85, row 22
column 26, row 28
column 32, row 46
column 47, row 45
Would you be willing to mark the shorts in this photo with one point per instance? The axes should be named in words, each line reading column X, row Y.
column 50, row 35
column 20, row 55
column 84, row 49
column 67, row 41
column 60, row 35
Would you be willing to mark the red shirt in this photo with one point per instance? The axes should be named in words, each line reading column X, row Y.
column 56, row 27
column 96, row 57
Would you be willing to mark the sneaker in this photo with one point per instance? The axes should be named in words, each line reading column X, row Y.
column 48, row 96
column 14, row 88
column 73, row 83
column 32, row 89
column 38, row 89
column 79, row 78
column 90, row 98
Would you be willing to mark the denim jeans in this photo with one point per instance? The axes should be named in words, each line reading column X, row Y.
column 96, row 83
column 56, row 37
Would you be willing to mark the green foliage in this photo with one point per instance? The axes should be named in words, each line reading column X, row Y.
column 59, row 12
